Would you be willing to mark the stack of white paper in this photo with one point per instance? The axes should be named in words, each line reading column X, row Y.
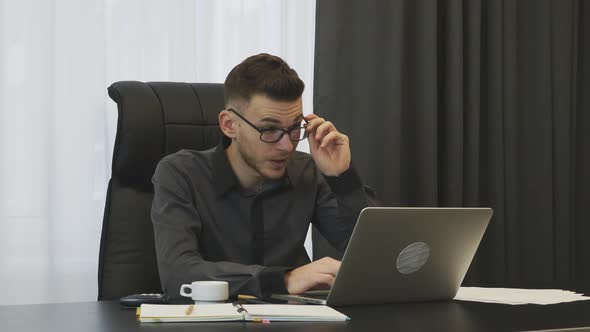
column 518, row 295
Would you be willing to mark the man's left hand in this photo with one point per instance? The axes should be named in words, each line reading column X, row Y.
column 329, row 148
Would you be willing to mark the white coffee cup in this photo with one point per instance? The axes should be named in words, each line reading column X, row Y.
column 206, row 291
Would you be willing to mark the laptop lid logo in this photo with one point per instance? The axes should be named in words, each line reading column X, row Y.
column 413, row 257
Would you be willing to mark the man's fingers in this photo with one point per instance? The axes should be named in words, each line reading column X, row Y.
column 313, row 124
column 335, row 264
column 326, row 266
column 324, row 280
column 331, row 138
column 329, row 260
column 322, row 132
column 320, row 273
column 310, row 117
column 324, row 129
column 315, row 281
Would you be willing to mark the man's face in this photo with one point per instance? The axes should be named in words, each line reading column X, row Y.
column 268, row 160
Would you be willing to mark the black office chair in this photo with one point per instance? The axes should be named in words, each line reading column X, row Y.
column 155, row 119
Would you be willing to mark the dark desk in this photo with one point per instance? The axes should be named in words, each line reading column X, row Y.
column 434, row 316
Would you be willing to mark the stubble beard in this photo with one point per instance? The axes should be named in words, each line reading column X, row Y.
column 252, row 163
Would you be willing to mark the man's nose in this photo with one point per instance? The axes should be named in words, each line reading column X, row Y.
column 285, row 144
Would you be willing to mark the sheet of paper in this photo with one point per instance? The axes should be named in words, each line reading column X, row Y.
column 288, row 312
column 518, row 295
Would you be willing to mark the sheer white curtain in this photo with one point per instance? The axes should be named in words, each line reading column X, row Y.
column 57, row 125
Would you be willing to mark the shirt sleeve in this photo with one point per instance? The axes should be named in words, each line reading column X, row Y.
column 177, row 225
column 340, row 201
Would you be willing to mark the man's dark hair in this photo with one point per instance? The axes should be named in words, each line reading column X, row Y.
column 263, row 74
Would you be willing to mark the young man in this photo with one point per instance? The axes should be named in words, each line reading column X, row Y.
column 240, row 212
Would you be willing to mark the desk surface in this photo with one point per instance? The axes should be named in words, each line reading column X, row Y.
column 434, row 316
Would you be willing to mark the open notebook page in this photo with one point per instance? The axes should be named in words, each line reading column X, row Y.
column 181, row 313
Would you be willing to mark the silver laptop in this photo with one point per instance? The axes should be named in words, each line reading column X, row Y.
column 405, row 255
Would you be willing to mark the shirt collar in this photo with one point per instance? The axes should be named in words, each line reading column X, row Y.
column 224, row 176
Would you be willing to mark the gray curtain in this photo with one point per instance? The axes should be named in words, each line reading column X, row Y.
column 471, row 103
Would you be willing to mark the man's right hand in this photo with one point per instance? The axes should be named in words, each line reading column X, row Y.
column 315, row 275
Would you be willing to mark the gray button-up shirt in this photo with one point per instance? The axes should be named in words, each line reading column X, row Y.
column 207, row 227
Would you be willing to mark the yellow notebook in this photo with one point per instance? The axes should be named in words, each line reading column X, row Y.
column 156, row 313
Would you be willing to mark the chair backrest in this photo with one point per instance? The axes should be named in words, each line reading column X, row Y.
column 155, row 119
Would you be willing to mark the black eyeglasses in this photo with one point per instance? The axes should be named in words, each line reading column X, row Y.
column 274, row 134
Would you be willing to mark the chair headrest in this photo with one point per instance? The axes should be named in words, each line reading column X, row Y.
column 160, row 118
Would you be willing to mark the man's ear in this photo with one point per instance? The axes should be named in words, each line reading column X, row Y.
column 227, row 124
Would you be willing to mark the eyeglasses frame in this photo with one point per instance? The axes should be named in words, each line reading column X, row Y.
column 262, row 130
